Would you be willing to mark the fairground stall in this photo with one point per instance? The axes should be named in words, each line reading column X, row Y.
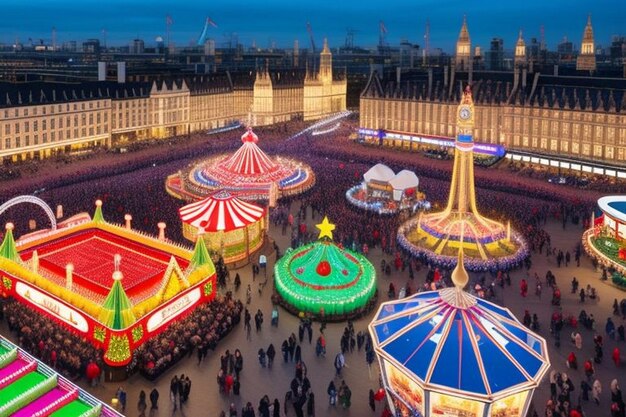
column 109, row 284
column 29, row 388
column 324, row 280
column 449, row 354
column 385, row 192
column 230, row 227
column 605, row 240
column 248, row 173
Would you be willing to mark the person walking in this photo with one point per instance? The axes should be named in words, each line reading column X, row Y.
column 332, row 393
column 340, row 362
column 596, row 390
column 271, row 353
column 121, row 397
column 372, row 400
column 616, row 356
column 141, row 404
column 345, row 395
column 154, row 399
column 174, row 391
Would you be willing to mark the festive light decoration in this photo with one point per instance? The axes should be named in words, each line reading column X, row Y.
column 115, row 305
column 322, row 279
column 248, row 173
column 449, row 353
column 326, row 229
column 437, row 236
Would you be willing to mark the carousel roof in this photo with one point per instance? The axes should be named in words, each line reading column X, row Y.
column 379, row 172
column 452, row 341
column 404, row 179
column 249, row 158
column 220, row 211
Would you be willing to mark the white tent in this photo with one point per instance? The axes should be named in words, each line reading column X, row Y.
column 379, row 172
column 404, row 179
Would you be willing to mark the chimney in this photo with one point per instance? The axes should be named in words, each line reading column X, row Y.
column 398, row 75
column 102, row 71
column 556, row 70
column 445, row 75
column 524, row 75
column 121, row 72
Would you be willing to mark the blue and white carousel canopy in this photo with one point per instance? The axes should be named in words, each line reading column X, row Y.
column 451, row 341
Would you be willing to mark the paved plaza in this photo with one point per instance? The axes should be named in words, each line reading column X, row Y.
column 205, row 399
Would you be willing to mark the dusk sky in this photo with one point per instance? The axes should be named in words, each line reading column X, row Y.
column 282, row 21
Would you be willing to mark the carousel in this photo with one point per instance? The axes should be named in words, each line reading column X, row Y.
column 248, row 173
column 448, row 353
column 230, row 227
column 605, row 240
column 324, row 280
column 384, row 192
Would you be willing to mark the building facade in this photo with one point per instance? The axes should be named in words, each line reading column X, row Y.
column 41, row 119
column 581, row 118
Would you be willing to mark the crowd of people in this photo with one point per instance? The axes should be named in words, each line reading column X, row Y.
column 133, row 183
column 199, row 332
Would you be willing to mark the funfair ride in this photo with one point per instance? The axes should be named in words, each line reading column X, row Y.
column 248, row 174
column 436, row 237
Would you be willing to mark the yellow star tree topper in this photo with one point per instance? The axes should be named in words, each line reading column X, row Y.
column 326, row 228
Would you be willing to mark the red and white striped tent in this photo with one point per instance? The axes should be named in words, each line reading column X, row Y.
column 249, row 158
column 220, row 211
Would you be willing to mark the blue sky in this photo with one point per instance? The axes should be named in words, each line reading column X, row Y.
column 282, row 21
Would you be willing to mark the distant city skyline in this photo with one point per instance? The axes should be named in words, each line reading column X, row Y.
column 282, row 21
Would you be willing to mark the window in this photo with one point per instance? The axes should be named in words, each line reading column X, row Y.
column 36, row 139
column 45, row 137
column 17, row 142
column 7, row 129
column 26, row 126
column 17, row 128
column 52, row 136
column 52, row 123
column 7, row 143
column 27, row 140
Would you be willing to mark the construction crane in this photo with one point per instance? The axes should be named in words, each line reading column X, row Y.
column 426, row 50
column 382, row 34
column 310, row 30
column 350, row 38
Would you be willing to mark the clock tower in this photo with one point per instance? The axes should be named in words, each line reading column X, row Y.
column 461, row 198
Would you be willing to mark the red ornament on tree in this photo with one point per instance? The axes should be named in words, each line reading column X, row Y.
column 323, row 268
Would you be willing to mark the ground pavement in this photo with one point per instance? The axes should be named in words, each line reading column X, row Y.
column 206, row 401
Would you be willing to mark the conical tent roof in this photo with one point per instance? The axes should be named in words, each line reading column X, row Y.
column 221, row 211
column 200, row 253
column 249, row 158
column 117, row 310
column 452, row 341
column 8, row 249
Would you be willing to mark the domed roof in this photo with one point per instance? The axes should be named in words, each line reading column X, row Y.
column 452, row 341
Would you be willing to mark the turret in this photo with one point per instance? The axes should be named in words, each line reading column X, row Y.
column 586, row 60
column 463, row 48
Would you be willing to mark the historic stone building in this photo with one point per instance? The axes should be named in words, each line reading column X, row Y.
column 463, row 56
column 40, row 119
column 586, row 60
column 324, row 92
column 581, row 118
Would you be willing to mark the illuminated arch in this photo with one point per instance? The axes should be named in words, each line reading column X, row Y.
column 33, row 200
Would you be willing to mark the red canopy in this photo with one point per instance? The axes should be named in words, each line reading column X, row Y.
column 220, row 212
